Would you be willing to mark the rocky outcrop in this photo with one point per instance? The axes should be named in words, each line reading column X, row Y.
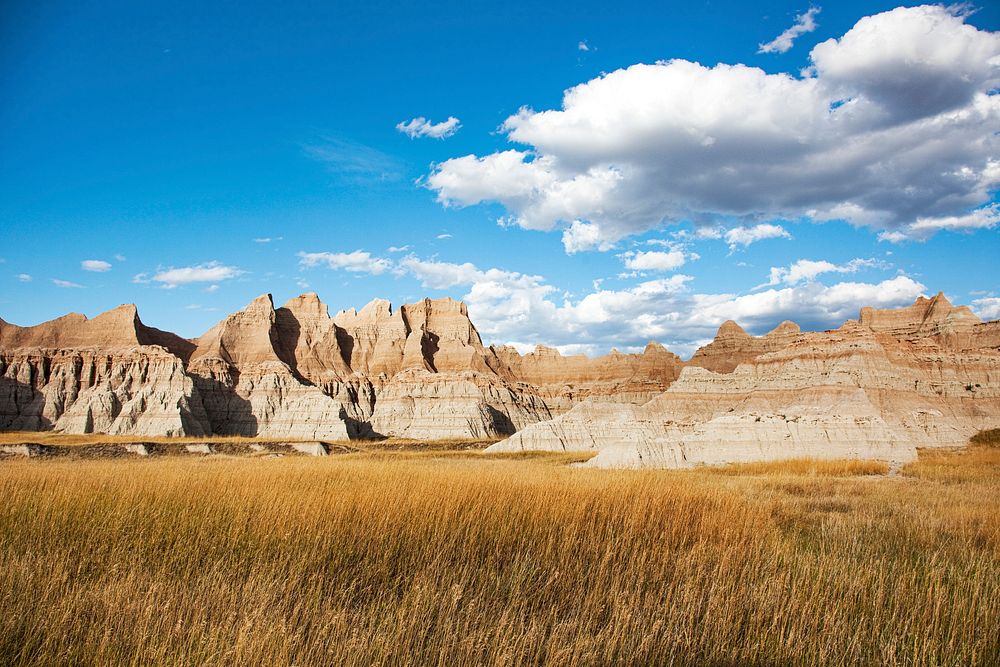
column 733, row 346
column 246, row 387
column 881, row 385
column 423, row 405
column 109, row 374
column 565, row 381
column 869, row 389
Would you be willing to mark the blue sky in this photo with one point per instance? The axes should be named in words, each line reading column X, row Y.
column 200, row 156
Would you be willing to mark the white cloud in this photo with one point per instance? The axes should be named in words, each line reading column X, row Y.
column 986, row 217
column 744, row 236
column 400, row 248
column 582, row 46
column 66, row 284
column 805, row 270
column 584, row 236
column 782, row 43
column 655, row 260
column 201, row 273
column 987, row 307
column 895, row 123
column 358, row 261
column 95, row 265
column 268, row 239
column 24, row 277
column 443, row 236
column 421, row 127
column 119, row 258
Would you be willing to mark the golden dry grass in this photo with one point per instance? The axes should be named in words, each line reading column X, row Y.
column 807, row 467
column 452, row 558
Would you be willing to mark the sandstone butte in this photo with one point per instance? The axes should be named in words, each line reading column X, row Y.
column 877, row 387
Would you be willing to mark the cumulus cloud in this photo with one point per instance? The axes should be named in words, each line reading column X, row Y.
column 358, row 261
column 209, row 272
column 24, row 277
column 421, row 127
column 782, row 43
column 66, row 284
column 895, row 122
column 805, row 270
column 987, row 307
column 95, row 265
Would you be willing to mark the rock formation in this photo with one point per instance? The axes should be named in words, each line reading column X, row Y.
column 878, row 387
column 111, row 374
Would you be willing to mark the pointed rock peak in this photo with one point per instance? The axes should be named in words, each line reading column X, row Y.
column 307, row 305
column 376, row 309
column 125, row 313
column 938, row 299
column 652, row 347
column 262, row 305
column 730, row 329
column 784, row 329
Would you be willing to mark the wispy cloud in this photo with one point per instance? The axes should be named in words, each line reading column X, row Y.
column 399, row 248
column 355, row 163
column 582, row 46
column 421, row 127
column 803, row 23
column 268, row 239
column 24, row 277
column 443, row 236
column 66, row 284
column 986, row 217
column 95, row 265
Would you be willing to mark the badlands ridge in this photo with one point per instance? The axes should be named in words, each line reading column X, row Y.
column 879, row 387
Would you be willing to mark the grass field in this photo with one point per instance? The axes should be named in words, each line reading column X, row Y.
column 453, row 558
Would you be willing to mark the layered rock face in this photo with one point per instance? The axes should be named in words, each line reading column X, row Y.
column 295, row 372
column 247, row 389
column 878, row 387
column 733, row 346
column 111, row 374
column 565, row 381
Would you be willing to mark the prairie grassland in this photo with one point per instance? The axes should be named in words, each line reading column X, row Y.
column 454, row 558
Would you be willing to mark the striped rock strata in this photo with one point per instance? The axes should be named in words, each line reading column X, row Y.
column 878, row 387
